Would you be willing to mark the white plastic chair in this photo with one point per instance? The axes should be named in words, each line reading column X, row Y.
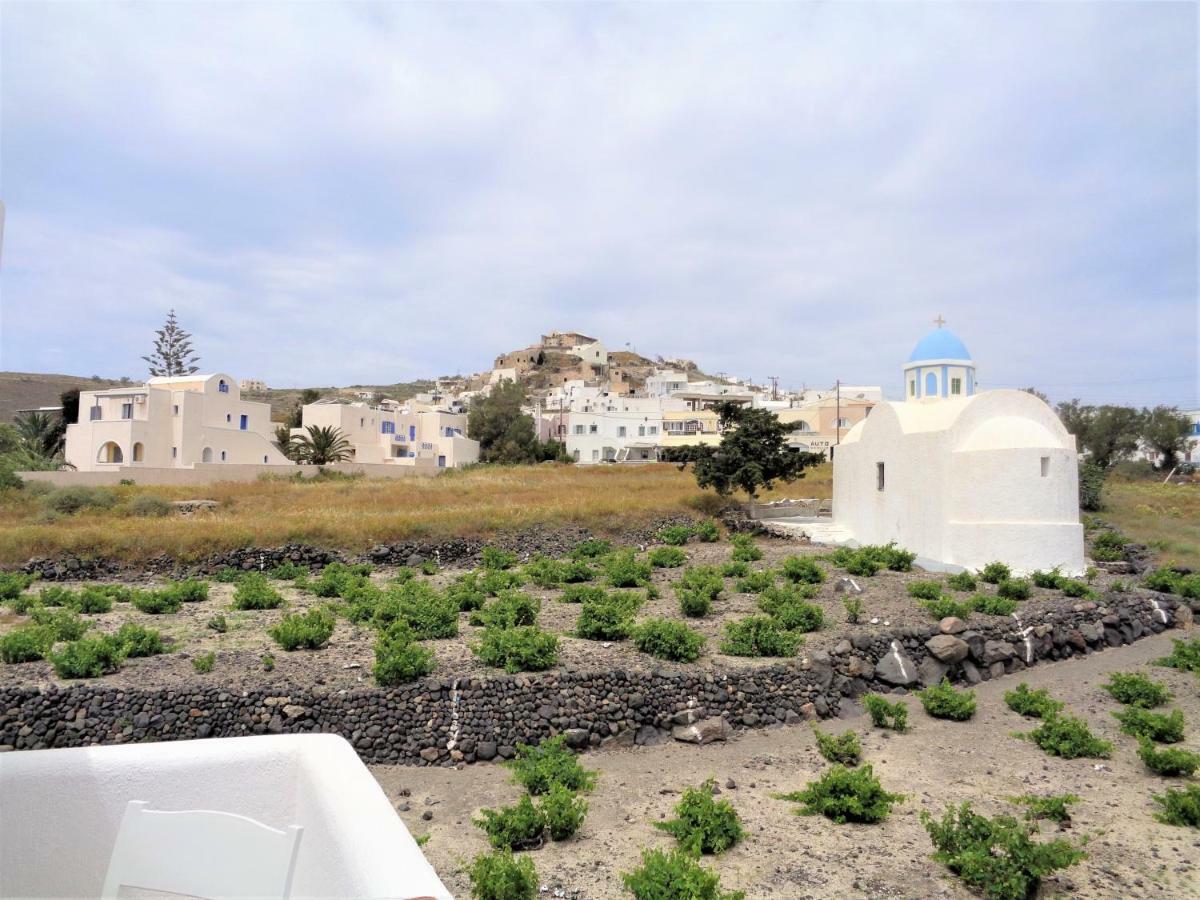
column 201, row 853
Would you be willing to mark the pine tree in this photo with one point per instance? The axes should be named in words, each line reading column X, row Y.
column 172, row 351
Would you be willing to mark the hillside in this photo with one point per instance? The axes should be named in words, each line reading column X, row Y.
column 284, row 400
column 24, row 390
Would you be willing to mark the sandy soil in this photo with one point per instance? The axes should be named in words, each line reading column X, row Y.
column 346, row 661
column 787, row 856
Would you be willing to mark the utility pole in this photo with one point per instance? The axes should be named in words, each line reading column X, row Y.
column 838, row 422
column 774, row 386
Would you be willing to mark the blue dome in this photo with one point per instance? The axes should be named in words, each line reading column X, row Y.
column 939, row 344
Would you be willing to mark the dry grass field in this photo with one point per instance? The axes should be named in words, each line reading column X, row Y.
column 356, row 514
column 1166, row 517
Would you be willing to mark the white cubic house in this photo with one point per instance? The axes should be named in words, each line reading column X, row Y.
column 961, row 477
column 397, row 435
column 174, row 422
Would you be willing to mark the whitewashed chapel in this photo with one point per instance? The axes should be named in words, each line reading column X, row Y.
column 959, row 476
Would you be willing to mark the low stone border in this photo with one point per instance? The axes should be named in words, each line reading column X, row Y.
column 442, row 722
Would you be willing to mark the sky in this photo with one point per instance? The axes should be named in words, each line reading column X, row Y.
column 331, row 194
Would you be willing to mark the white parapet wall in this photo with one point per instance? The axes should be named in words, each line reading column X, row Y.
column 211, row 473
column 60, row 811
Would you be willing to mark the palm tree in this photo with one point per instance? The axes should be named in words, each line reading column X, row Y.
column 322, row 445
column 286, row 442
column 40, row 434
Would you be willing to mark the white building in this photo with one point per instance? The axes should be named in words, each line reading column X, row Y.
column 395, row 434
column 958, row 477
column 171, row 423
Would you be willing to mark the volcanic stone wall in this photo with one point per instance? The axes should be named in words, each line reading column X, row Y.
column 444, row 721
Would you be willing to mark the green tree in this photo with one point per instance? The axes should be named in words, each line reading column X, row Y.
column 172, row 354
column 1165, row 431
column 40, row 435
column 505, row 433
column 286, row 442
column 752, row 456
column 1107, row 434
column 296, row 417
column 322, row 446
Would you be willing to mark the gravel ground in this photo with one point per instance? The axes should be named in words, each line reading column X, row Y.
column 786, row 856
column 346, row 661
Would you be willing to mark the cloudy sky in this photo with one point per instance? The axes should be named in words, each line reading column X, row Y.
column 371, row 193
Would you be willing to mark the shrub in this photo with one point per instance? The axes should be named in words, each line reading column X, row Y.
column 227, row 575
column 994, row 605
column 1035, row 704
column 792, row 612
column 427, row 612
column 551, row 762
column 510, row 609
column 398, row 659
column 1052, row 579
column 844, row 749
column 88, row 657
column 496, row 558
column 753, row 582
column 744, row 548
column 996, row 856
column 697, row 589
column 1052, row 806
column 494, row 582
column 802, row 570
column 23, row 603
column 1072, row 587
column 218, row 623
column 925, row 590
column 502, row 876
column 1179, row 807
column 563, row 811
column 310, row 630
column 884, row 714
column 942, row 701
column 961, row 581
column 624, row 570
column 581, row 593
column 138, row 641
column 703, row 825
column 1164, row 580
column 759, row 636
column 70, row 500
column 1068, row 737
column 429, row 567
column 945, row 606
column 675, row 535
column 845, row 795
column 1108, row 546
column 517, row 827
column 1013, row 589
column 156, row 603
column 575, row 571
column 706, row 532
column 26, row 644
column 666, row 639
column 336, row 579
column 149, row 506
column 544, row 572
column 1135, row 689
column 854, row 608
column 862, row 564
column 466, row 593
column 92, row 599
column 1091, row 486
column 65, row 623
column 190, row 590
column 674, row 875
column 1141, row 723
column 268, row 662
column 254, row 592
column 288, row 571
column 204, row 663
column 56, row 595
column 894, row 558
column 1169, row 761
column 13, row 584
column 667, row 557
column 609, row 619
column 592, row 549
column 995, row 572
column 525, row 648
column 1185, row 655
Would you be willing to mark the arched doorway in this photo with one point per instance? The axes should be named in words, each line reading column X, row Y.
column 110, row 453
column 139, row 452
column 931, row 388
column 206, row 455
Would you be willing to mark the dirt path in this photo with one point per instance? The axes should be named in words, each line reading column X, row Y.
column 787, row 856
